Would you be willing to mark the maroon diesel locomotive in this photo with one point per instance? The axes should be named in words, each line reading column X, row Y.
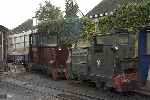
column 46, row 55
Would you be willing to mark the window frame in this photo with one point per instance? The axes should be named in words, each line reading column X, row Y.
column 119, row 37
column 148, row 43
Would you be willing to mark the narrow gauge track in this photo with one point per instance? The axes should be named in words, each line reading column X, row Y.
column 77, row 93
column 53, row 91
column 45, row 86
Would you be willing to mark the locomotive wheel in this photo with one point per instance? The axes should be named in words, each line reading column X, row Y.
column 49, row 72
column 28, row 67
column 106, row 88
column 54, row 74
column 100, row 85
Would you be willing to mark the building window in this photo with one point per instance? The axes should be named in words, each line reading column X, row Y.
column 27, row 44
column 19, row 42
column 19, row 39
column 19, row 45
column 26, row 37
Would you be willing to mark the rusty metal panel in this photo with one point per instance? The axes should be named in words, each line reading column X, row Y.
column 47, row 55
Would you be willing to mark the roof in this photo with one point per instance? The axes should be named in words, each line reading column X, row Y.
column 3, row 29
column 107, row 6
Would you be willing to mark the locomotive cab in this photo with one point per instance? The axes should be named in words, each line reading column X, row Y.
column 113, row 62
column 46, row 55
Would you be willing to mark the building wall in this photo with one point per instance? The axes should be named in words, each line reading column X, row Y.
column 3, row 43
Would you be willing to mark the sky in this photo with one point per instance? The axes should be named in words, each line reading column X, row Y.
column 15, row 12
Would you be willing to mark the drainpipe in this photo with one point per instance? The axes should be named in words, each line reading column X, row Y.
column 2, row 47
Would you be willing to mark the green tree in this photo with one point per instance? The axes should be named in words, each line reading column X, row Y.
column 68, row 28
column 127, row 16
column 48, row 14
column 88, row 28
column 71, row 9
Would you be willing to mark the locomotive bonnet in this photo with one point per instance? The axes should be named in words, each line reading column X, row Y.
column 110, row 61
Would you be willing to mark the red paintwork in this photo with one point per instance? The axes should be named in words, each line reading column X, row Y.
column 47, row 55
column 119, row 81
column 51, row 56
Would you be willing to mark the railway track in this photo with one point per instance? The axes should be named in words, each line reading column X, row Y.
column 77, row 93
column 61, row 94
column 58, row 90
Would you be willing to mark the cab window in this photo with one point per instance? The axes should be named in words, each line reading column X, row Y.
column 123, row 39
column 98, row 48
